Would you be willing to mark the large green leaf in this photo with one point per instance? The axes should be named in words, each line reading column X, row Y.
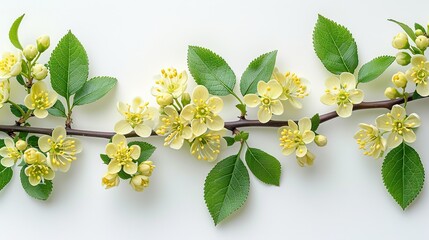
column 41, row 191
column 374, row 68
column 335, row 46
column 264, row 166
column 58, row 109
column 210, row 70
column 106, row 160
column 260, row 69
column 226, row 188
column 5, row 176
column 94, row 89
column 403, row 174
column 15, row 111
column 13, row 32
column 146, row 150
column 68, row 66
column 406, row 28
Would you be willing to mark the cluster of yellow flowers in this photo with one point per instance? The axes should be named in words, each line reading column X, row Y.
column 52, row 153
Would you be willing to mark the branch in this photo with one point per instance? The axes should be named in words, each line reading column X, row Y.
column 388, row 104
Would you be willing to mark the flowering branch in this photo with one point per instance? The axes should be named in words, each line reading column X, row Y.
column 388, row 104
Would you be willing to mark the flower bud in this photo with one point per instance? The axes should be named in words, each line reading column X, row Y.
column 403, row 58
column 139, row 182
column 110, row 180
column 146, row 168
column 391, row 93
column 30, row 52
column 43, row 43
column 307, row 159
column 21, row 145
column 399, row 80
column 320, row 140
column 39, row 72
column 164, row 99
column 400, row 41
column 186, row 99
column 422, row 42
column 419, row 32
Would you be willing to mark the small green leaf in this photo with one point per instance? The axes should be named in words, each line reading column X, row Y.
column 403, row 174
column 41, row 191
column 416, row 50
column 146, row 150
column 5, row 176
column 335, row 46
column 264, row 166
column 374, row 68
column 260, row 69
column 210, row 70
column 15, row 111
column 20, row 79
column 420, row 27
column 406, row 28
column 124, row 175
column 242, row 108
column 241, row 136
column 33, row 141
column 13, row 32
column 68, row 66
column 94, row 89
column 315, row 122
column 58, row 109
column 229, row 141
column 226, row 188
column 416, row 95
column 2, row 143
column 106, row 160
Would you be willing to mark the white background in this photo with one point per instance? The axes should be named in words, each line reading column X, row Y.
column 341, row 197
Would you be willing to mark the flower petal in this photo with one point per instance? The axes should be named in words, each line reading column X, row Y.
column 304, row 124
column 398, row 112
column 177, row 143
column 275, row 89
column 200, row 93
column 188, row 112
column 356, row 96
column 216, row 104
column 123, row 127
column 394, row 140
column 262, row 88
column 409, row 136
column 118, row 138
column 44, row 143
column 348, row 81
column 345, row 110
column 333, row 83
column 277, row 107
column 39, row 113
column 136, row 151
column 122, row 108
column 252, row 100
column 9, row 143
column 264, row 115
column 111, row 149
column 384, row 122
column 59, row 133
column 328, row 99
column 198, row 127
column 113, row 167
column 423, row 89
column 170, row 111
column 412, row 121
column 130, row 168
column 417, row 59
column 288, row 151
column 301, row 150
column 308, row 137
column 7, row 162
column 215, row 124
column 142, row 130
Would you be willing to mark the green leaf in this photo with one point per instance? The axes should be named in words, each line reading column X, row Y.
column 124, row 175
column 58, row 109
column 416, row 95
column 416, row 50
column 226, row 188
column 374, row 68
column 242, row 108
column 315, row 122
column 403, row 174
column 68, row 66
column 41, row 191
column 210, row 70
column 146, row 150
column 106, row 160
column 13, row 32
column 418, row 26
column 15, row 111
column 335, row 46
column 229, row 141
column 5, row 176
column 2, row 143
column 94, row 89
column 264, row 166
column 33, row 141
column 406, row 28
column 20, row 79
column 260, row 69
column 241, row 136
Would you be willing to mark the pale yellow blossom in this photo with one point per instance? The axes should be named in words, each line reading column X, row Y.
column 175, row 127
column 40, row 99
column 294, row 137
column 268, row 99
column 122, row 156
column 306, row 160
column 139, row 182
column 170, row 82
column 419, row 74
column 61, row 150
column 342, row 92
column 37, row 169
column 138, row 117
column 294, row 87
column 370, row 140
column 146, row 168
column 10, row 154
column 4, row 92
column 400, row 125
column 203, row 111
column 10, row 65
column 110, row 180
column 207, row 146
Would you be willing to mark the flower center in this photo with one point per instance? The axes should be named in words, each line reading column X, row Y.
column 123, row 154
column 40, row 100
column 266, row 101
column 398, row 126
column 13, row 153
column 38, row 171
column 290, row 138
column 7, row 63
column 422, row 74
column 343, row 97
column 134, row 118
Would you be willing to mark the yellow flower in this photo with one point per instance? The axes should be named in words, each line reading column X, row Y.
column 138, row 117
column 10, row 154
column 122, row 156
column 10, row 65
column 203, row 111
column 110, row 180
column 61, row 150
column 146, row 168
column 207, row 146
column 370, row 140
column 419, row 74
column 268, row 97
column 37, row 169
column 342, row 91
column 399, row 124
column 4, row 92
column 175, row 126
column 139, row 182
column 171, row 83
column 294, row 88
column 294, row 137
column 306, row 160
column 40, row 99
